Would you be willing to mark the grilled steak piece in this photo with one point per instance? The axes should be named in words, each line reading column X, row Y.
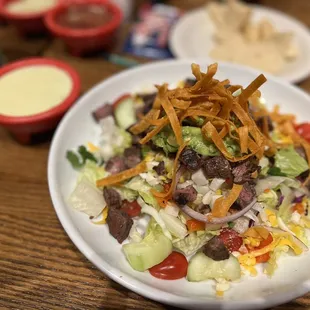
column 160, row 169
column 103, row 112
column 119, row 224
column 112, row 198
column 216, row 249
column 260, row 123
column 185, row 195
column 115, row 165
column 148, row 100
column 190, row 159
column 217, row 167
column 247, row 195
column 190, row 82
column 242, row 172
column 132, row 156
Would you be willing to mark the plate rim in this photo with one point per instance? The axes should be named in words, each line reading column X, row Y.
column 294, row 78
column 128, row 281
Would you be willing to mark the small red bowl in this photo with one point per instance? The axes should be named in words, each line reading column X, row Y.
column 85, row 41
column 24, row 127
column 26, row 24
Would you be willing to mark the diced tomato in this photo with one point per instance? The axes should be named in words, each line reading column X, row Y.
column 299, row 208
column 231, row 239
column 304, row 130
column 120, row 99
column 131, row 208
column 194, row 225
column 172, row 268
column 263, row 258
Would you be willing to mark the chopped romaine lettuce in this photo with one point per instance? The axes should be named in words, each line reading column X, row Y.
column 145, row 208
column 152, row 250
column 87, row 198
column 92, row 172
column 143, row 188
column 126, row 193
column 270, row 198
column 173, row 224
column 290, row 163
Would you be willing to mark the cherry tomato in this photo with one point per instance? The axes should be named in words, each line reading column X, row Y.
column 172, row 268
column 120, row 99
column 231, row 239
column 304, row 130
column 194, row 225
column 131, row 208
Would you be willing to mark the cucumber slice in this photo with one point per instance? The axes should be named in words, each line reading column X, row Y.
column 152, row 250
column 202, row 267
column 125, row 114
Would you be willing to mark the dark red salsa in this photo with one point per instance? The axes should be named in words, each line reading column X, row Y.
column 84, row 16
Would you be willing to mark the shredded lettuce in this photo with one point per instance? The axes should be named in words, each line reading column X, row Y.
column 192, row 243
column 290, row 163
column 173, row 224
column 269, row 198
column 91, row 172
column 285, row 210
column 145, row 208
column 143, row 188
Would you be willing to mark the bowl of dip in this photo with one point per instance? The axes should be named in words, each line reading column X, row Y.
column 34, row 95
column 27, row 15
column 86, row 26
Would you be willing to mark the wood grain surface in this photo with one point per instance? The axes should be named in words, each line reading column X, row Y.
column 40, row 268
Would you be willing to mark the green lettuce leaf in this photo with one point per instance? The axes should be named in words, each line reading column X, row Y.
column 289, row 162
column 79, row 158
column 92, row 172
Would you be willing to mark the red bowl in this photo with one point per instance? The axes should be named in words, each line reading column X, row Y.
column 85, row 41
column 24, row 127
column 26, row 24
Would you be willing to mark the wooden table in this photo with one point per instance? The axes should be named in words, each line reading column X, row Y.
column 40, row 268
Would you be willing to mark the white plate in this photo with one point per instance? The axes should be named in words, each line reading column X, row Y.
column 191, row 37
column 292, row 279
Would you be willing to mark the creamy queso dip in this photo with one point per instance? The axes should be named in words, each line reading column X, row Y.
column 30, row 6
column 32, row 90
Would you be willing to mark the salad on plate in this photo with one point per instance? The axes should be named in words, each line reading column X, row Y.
column 198, row 181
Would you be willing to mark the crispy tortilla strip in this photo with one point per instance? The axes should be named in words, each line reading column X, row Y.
column 144, row 124
column 122, row 176
column 249, row 91
column 204, row 82
column 168, row 195
column 243, row 138
column 223, row 204
column 211, row 134
column 155, row 131
column 246, row 120
column 180, row 104
column 172, row 116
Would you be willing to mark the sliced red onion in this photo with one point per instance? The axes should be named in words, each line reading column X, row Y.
column 216, row 220
column 298, row 199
